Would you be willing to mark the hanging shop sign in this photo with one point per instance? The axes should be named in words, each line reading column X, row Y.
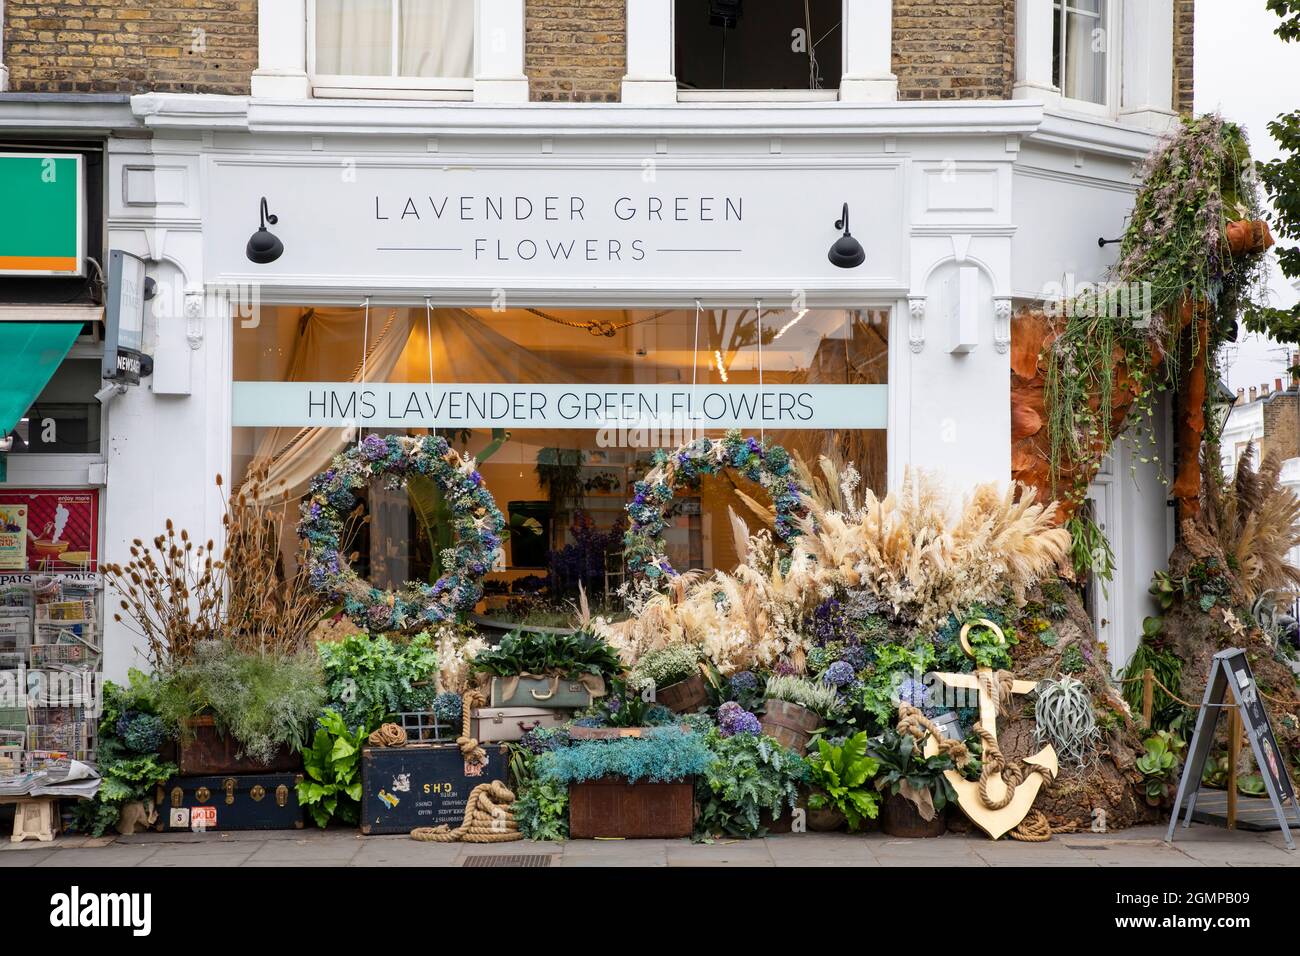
column 42, row 215
column 623, row 407
column 1231, row 684
column 48, row 530
column 445, row 225
column 124, row 358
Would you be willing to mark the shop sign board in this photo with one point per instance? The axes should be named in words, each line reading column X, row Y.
column 59, row 530
column 626, row 222
column 124, row 318
column 565, row 406
column 42, row 214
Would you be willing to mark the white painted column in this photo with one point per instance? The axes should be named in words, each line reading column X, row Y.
column 868, row 37
column 499, row 52
column 649, row 78
column 1034, row 51
column 281, row 50
column 4, row 70
column 1147, row 58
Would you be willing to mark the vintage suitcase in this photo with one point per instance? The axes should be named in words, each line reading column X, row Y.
column 421, row 785
column 265, row 801
column 205, row 751
column 539, row 692
column 497, row 724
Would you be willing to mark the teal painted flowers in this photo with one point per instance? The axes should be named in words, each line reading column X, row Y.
column 768, row 465
column 477, row 522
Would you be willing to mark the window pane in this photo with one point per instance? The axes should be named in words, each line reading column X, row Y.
column 354, row 37
column 64, row 419
column 437, row 38
column 773, row 45
column 1080, row 65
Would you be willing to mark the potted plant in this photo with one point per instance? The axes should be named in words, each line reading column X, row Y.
column 751, row 786
column 917, row 789
column 841, row 781
column 629, row 787
column 673, row 675
column 550, row 669
column 795, row 707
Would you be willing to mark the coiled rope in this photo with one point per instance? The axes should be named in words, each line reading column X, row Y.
column 488, row 819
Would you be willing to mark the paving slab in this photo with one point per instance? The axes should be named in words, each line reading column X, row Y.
column 99, row 856
column 403, row 851
column 722, row 853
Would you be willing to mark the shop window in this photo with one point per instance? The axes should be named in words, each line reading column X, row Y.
column 64, row 419
column 1081, row 55
column 563, row 411
column 730, row 45
column 392, row 47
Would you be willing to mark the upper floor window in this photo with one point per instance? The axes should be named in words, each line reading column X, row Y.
column 728, row 45
column 392, row 47
column 1080, row 50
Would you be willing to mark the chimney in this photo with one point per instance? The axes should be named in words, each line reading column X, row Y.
column 1241, row 393
column 1277, row 385
column 1263, row 390
column 1252, row 393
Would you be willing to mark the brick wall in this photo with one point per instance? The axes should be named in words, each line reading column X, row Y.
column 1281, row 425
column 954, row 49
column 1184, row 20
column 104, row 46
column 575, row 50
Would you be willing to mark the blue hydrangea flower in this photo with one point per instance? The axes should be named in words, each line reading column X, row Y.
column 734, row 719
column 838, row 674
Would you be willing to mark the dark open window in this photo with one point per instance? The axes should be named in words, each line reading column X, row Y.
column 768, row 45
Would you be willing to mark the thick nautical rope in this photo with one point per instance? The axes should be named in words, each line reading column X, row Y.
column 915, row 724
column 470, row 748
column 488, row 819
column 388, row 735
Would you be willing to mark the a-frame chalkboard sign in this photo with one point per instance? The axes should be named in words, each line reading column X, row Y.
column 1230, row 673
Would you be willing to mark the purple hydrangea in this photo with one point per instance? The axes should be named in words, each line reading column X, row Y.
column 856, row 656
column 744, row 680
column 734, row 719
column 914, row 692
column 838, row 674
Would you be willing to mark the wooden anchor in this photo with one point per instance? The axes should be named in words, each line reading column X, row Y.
column 995, row 823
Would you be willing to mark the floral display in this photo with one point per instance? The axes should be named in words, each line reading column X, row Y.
column 734, row 719
column 768, row 465
column 477, row 522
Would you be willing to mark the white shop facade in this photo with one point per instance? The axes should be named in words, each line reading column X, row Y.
column 561, row 289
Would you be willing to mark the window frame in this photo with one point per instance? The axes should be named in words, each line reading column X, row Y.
column 1114, row 16
column 392, row 86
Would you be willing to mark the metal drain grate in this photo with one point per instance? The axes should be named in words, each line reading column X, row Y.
column 502, row 859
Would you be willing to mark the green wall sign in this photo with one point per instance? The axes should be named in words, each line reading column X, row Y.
column 42, row 215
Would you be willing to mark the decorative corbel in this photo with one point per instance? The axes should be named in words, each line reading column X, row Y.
column 194, row 310
column 1002, row 323
column 916, row 323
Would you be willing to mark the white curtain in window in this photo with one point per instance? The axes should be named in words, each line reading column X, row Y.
column 437, row 38
column 1086, row 43
column 355, row 38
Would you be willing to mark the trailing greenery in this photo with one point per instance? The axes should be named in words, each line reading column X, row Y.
column 1090, row 550
column 129, row 735
column 842, row 777
column 749, row 775
column 331, row 788
column 263, row 701
column 659, row 755
column 369, row 679
column 566, row 655
column 817, row 696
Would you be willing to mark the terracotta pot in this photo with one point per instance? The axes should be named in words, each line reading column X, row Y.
column 685, row 696
column 205, row 751
column 900, row 818
column 789, row 724
column 826, row 820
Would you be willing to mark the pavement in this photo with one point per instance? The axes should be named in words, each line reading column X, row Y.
column 1199, row 846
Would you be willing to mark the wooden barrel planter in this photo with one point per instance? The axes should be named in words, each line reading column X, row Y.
column 685, row 696
column 205, row 751
column 789, row 724
column 900, row 818
column 613, row 807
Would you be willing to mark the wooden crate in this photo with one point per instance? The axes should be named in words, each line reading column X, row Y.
column 612, row 807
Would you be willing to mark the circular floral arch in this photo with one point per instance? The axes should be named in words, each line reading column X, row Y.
column 476, row 521
column 768, row 465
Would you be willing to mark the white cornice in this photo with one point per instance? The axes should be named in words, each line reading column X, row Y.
column 74, row 113
column 1094, row 135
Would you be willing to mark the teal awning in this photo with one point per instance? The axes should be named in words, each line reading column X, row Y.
column 30, row 352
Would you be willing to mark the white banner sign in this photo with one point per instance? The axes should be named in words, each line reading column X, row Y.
column 340, row 405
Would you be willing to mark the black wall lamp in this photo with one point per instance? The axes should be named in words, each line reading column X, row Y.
column 847, row 252
column 1103, row 242
column 264, row 246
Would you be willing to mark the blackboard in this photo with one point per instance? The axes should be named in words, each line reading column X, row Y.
column 421, row 785
column 1231, row 683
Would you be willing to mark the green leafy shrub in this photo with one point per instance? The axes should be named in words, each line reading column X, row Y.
column 368, row 679
column 842, row 775
column 749, row 774
column 263, row 701
column 542, row 812
column 331, row 787
column 566, row 655
column 901, row 761
column 658, row 755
